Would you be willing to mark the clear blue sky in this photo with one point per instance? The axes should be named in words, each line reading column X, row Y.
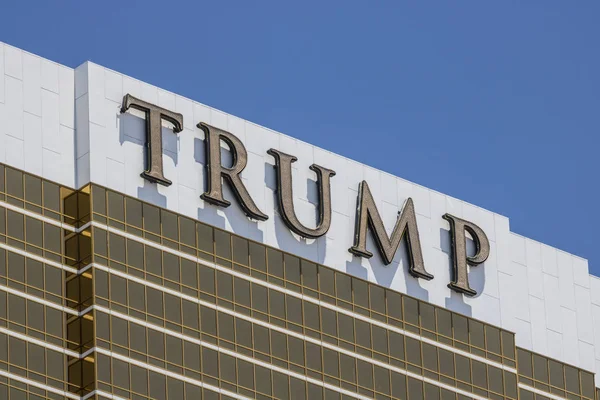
column 496, row 103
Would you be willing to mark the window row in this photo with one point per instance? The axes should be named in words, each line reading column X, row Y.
column 11, row 389
column 32, row 361
column 553, row 376
column 271, row 306
column 30, row 234
column 31, row 276
column 275, row 266
column 132, row 215
column 32, row 319
column 31, row 192
column 249, row 380
column 527, row 395
column 297, row 355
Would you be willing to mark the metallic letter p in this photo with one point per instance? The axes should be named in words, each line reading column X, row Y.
column 458, row 228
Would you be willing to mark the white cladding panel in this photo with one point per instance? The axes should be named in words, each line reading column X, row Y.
column 543, row 294
column 37, row 130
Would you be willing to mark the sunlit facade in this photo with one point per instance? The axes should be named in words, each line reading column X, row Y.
column 116, row 287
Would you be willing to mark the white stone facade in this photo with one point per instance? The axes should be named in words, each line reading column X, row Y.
column 66, row 125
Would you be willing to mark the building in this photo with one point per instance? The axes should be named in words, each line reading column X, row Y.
column 136, row 262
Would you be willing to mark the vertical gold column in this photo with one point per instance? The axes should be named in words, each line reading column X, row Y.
column 79, row 290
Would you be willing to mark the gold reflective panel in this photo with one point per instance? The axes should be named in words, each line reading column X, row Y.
column 234, row 305
column 554, row 377
column 142, row 303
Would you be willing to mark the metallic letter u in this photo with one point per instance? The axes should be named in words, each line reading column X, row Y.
column 285, row 195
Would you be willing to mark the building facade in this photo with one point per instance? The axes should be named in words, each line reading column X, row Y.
column 155, row 248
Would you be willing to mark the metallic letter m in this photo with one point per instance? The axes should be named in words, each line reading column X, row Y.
column 367, row 216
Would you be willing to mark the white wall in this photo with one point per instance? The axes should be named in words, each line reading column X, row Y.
column 544, row 295
column 36, row 110
column 555, row 308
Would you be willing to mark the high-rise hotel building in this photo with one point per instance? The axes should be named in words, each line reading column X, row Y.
column 152, row 247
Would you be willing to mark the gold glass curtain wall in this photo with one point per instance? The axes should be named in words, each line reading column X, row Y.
column 104, row 295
